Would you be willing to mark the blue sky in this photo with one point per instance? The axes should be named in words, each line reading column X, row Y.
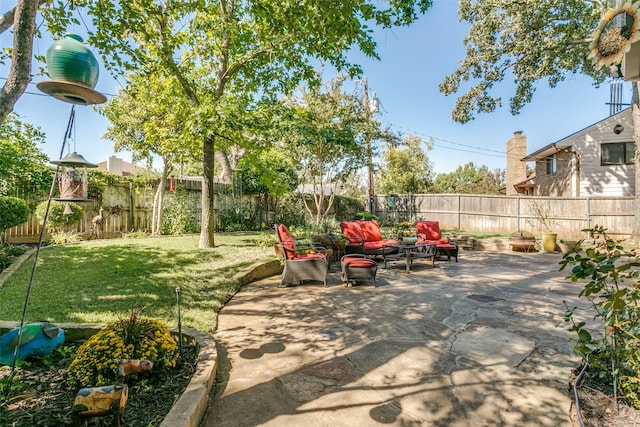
column 413, row 62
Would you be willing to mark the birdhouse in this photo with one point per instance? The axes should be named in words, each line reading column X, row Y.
column 73, row 177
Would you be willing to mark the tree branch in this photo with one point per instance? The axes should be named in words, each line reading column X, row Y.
column 20, row 68
column 6, row 20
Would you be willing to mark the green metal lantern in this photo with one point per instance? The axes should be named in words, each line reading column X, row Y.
column 74, row 72
column 73, row 178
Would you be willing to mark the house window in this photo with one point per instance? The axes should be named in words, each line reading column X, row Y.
column 551, row 164
column 619, row 153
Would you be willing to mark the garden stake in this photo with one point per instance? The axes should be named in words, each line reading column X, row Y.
column 179, row 321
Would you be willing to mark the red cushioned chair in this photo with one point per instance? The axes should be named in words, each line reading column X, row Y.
column 365, row 238
column 358, row 267
column 299, row 266
column 429, row 232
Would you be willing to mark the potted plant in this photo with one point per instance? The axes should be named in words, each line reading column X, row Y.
column 544, row 220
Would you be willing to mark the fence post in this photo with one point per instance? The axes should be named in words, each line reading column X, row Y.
column 518, row 214
column 459, row 213
column 588, row 209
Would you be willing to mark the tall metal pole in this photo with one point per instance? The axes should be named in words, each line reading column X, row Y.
column 367, row 112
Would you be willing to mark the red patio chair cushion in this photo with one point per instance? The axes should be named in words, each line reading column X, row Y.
column 352, row 231
column 430, row 230
column 358, row 262
column 287, row 241
column 371, row 231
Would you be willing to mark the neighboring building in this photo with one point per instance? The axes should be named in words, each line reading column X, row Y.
column 595, row 161
column 117, row 166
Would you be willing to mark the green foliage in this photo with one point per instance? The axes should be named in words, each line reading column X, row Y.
column 96, row 362
column 405, row 170
column 13, row 211
column 290, row 210
column 469, row 179
column 57, row 220
column 611, row 285
column 366, row 216
column 239, row 217
column 179, row 214
column 525, row 42
column 23, row 165
column 62, row 237
column 328, row 135
column 268, row 172
column 344, row 207
column 9, row 253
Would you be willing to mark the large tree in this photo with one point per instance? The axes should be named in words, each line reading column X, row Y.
column 146, row 118
column 406, row 168
column 528, row 41
column 470, row 179
column 326, row 135
column 265, row 46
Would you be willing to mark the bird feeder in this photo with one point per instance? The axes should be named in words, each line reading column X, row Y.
column 73, row 178
column 74, row 72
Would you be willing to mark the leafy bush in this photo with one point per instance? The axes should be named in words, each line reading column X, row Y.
column 366, row 216
column 239, row 217
column 612, row 287
column 179, row 214
column 290, row 210
column 9, row 253
column 13, row 211
column 61, row 237
column 57, row 220
column 96, row 362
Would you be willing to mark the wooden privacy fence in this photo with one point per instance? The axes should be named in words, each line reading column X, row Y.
column 507, row 214
column 128, row 209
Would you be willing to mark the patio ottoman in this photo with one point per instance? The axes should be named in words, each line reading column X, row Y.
column 358, row 267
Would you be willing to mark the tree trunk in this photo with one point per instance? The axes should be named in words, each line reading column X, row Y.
column 158, row 202
column 635, row 235
column 207, row 218
column 24, row 24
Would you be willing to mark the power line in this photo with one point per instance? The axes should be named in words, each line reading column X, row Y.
column 481, row 150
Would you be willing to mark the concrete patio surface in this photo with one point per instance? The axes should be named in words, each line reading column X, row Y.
column 473, row 343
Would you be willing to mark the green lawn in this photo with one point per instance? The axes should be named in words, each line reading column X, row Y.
column 101, row 280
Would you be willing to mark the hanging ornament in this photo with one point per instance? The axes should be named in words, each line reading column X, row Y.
column 618, row 29
column 74, row 72
column 73, row 178
column 67, row 209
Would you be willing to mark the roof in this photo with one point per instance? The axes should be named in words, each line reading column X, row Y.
column 564, row 143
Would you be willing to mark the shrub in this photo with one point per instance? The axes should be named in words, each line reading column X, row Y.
column 8, row 254
column 612, row 287
column 61, row 237
column 239, row 217
column 96, row 361
column 179, row 214
column 13, row 211
column 57, row 220
column 366, row 216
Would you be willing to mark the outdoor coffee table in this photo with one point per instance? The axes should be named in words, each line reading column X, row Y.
column 410, row 252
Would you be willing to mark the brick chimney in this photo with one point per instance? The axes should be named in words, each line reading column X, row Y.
column 516, row 169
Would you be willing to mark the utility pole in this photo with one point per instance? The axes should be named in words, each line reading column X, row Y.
column 367, row 112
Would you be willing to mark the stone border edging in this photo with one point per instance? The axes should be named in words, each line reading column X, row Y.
column 191, row 406
column 14, row 266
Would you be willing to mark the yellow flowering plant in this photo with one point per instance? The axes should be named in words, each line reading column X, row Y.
column 96, row 361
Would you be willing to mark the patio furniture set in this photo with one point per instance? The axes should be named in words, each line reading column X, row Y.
column 309, row 262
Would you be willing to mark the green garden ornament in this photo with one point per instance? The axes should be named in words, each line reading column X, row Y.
column 74, row 72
